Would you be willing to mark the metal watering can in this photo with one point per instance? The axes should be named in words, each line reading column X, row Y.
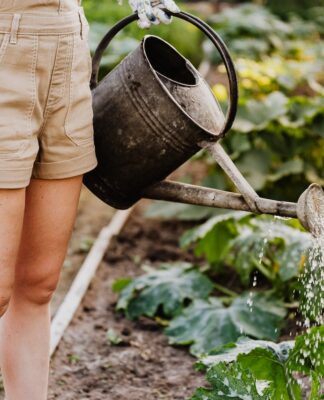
column 154, row 111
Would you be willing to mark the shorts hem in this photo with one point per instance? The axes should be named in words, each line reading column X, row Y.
column 67, row 168
column 14, row 178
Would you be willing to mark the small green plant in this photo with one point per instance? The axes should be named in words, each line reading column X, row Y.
column 73, row 358
column 86, row 243
column 113, row 337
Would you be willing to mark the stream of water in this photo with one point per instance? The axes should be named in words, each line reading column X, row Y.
column 311, row 280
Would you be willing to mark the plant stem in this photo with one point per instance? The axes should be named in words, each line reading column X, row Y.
column 225, row 290
column 289, row 388
column 263, row 270
column 226, row 300
column 291, row 305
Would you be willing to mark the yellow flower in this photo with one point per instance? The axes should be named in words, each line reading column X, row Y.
column 220, row 92
column 247, row 83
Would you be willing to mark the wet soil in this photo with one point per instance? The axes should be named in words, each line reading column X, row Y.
column 143, row 366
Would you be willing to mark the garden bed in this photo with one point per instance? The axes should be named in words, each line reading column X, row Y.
column 143, row 366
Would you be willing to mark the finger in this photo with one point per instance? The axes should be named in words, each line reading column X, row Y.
column 170, row 5
column 143, row 21
column 143, row 24
column 145, row 10
column 162, row 16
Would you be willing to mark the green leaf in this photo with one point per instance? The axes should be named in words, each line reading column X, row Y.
column 256, row 115
column 265, row 365
column 244, row 345
column 168, row 287
column 302, row 110
column 277, row 246
column 308, row 352
column 214, row 236
column 290, row 259
column 276, row 363
column 255, row 166
column 201, row 231
column 120, row 284
column 207, row 324
column 182, row 212
column 266, row 361
column 246, row 250
column 290, row 167
column 307, row 357
column 233, row 382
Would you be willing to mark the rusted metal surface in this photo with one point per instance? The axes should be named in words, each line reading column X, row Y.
column 148, row 120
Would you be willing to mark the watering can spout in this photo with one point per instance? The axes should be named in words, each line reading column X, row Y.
column 309, row 209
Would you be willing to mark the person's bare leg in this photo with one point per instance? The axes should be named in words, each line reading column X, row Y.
column 51, row 207
column 12, row 205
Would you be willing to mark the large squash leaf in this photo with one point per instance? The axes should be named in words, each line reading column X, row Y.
column 167, row 287
column 275, row 363
column 265, row 361
column 233, row 382
column 207, row 324
column 244, row 345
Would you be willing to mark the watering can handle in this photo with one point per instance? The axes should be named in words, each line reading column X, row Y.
column 207, row 30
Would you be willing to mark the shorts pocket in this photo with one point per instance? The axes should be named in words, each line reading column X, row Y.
column 17, row 84
column 79, row 117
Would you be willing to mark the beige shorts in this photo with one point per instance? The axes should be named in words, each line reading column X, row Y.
column 46, row 127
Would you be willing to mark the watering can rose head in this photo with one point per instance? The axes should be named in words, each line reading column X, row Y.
column 152, row 11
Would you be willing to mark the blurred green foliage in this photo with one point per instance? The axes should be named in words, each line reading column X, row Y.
column 285, row 7
column 277, row 140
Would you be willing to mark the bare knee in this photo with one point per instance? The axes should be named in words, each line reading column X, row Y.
column 37, row 289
